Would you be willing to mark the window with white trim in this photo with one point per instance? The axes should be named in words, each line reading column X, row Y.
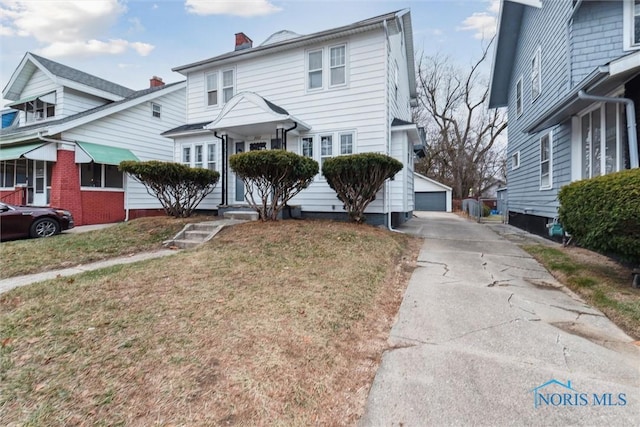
column 602, row 136
column 314, row 69
column 212, row 89
column 536, row 75
column 338, row 65
column 99, row 175
column 515, row 160
column 631, row 24
column 228, row 84
column 186, row 155
column 155, row 110
column 326, row 148
column 198, row 156
column 519, row 97
column 211, row 156
column 307, row 147
column 346, row 143
column 546, row 159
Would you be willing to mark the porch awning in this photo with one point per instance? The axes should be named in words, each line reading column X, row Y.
column 90, row 152
column 20, row 151
column 49, row 98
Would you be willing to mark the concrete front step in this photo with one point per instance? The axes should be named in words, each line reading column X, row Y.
column 193, row 235
column 182, row 244
column 199, row 236
column 243, row 215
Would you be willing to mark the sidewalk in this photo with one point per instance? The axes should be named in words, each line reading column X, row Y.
column 14, row 282
column 485, row 336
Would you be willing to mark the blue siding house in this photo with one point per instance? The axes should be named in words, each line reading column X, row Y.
column 569, row 73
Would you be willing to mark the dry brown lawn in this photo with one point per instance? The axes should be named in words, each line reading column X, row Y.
column 267, row 324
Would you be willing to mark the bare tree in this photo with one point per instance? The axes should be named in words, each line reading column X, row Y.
column 461, row 130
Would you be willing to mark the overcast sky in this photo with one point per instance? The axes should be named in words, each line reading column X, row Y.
column 127, row 42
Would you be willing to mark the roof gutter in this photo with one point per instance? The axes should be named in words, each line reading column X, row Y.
column 632, row 136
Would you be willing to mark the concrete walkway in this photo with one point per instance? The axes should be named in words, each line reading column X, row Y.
column 481, row 326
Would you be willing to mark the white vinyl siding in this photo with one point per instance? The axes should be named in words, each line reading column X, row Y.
column 546, row 161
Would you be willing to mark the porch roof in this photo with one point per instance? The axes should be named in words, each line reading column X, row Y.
column 248, row 114
column 49, row 98
column 90, row 152
column 17, row 151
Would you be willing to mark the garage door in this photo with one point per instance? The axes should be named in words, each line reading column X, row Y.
column 431, row 201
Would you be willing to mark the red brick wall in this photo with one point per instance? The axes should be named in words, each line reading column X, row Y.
column 13, row 197
column 65, row 185
column 101, row 207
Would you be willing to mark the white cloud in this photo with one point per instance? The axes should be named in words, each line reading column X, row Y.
column 93, row 47
column 483, row 23
column 243, row 8
column 68, row 28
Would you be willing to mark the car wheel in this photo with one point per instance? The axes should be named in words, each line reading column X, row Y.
column 45, row 227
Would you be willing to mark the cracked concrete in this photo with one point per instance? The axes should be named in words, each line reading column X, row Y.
column 481, row 325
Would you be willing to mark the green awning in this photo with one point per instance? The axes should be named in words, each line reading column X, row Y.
column 17, row 151
column 104, row 154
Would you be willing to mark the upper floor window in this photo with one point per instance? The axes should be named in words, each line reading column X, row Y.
column 212, row 89
column 515, row 160
column 536, row 75
column 545, row 161
column 338, row 58
column 314, row 67
column 155, row 110
column 227, row 85
column 631, row 24
column 519, row 97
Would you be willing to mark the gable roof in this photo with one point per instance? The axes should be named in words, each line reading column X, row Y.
column 63, row 75
column 53, row 127
column 396, row 19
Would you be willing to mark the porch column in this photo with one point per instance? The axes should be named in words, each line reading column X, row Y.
column 65, row 183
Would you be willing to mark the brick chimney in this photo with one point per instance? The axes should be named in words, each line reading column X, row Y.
column 243, row 42
column 155, row 81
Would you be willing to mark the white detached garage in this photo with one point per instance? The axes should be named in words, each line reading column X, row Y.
column 431, row 195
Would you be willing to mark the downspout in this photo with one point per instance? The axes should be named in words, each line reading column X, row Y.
column 223, row 141
column 387, row 186
column 632, row 136
column 284, row 135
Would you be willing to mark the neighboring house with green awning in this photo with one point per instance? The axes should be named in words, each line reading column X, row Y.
column 72, row 129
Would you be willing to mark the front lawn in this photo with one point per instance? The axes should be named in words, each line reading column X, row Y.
column 267, row 324
column 69, row 249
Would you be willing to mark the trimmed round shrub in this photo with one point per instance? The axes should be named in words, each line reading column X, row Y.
column 272, row 178
column 178, row 187
column 356, row 178
column 603, row 213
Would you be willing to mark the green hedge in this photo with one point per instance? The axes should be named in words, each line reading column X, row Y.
column 603, row 213
column 356, row 178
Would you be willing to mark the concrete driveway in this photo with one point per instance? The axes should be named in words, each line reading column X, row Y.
column 486, row 336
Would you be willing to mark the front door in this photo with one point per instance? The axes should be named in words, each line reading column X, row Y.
column 37, row 184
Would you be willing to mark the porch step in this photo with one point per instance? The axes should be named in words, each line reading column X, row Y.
column 193, row 235
column 242, row 215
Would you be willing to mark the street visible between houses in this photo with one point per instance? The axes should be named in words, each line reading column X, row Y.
column 486, row 336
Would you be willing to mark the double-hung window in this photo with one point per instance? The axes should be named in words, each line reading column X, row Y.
column 186, row 155
column 211, row 156
column 338, row 57
column 227, row 85
column 326, row 148
column 212, row 89
column 631, row 24
column 519, row 97
column 536, row 75
column 346, row 143
column 314, row 69
column 198, row 157
column 546, row 157
column 155, row 110
column 307, row 147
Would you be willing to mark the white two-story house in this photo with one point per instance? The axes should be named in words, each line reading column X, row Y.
column 340, row 91
column 66, row 131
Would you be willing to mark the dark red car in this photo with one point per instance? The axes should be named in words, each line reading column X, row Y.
column 32, row 221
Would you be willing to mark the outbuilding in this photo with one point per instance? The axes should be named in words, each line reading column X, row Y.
column 430, row 195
